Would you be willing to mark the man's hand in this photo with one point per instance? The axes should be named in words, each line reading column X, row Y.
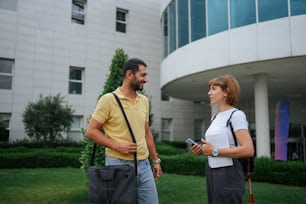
column 126, row 148
column 157, row 171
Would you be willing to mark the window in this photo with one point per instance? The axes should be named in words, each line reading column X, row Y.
column 198, row 20
column 78, row 11
column 6, row 73
column 74, row 134
column 183, row 25
column 199, row 129
column 76, row 80
column 243, row 12
column 4, row 126
column 166, row 129
column 121, row 20
column 298, row 7
column 217, row 16
column 172, row 26
column 165, row 19
column 272, row 9
column 8, row 4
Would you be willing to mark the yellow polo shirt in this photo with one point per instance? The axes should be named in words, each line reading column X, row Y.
column 109, row 114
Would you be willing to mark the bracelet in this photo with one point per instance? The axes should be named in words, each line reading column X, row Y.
column 157, row 161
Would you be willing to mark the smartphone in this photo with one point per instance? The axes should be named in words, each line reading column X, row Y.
column 190, row 141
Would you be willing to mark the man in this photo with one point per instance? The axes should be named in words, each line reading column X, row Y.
column 117, row 139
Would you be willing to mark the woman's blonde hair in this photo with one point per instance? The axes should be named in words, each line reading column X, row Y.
column 229, row 85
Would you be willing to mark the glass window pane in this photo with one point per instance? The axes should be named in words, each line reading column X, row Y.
column 243, row 12
column 6, row 66
column 165, row 34
column 120, row 16
column 198, row 21
column 5, row 127
column 183, row 25
column 5, row 82
column 298, row 7
column 74, row 136
column 166, row 129
column 121, row 20
column 78, row 12
column 121, row 27
column 75, row 74
column 75, row 88
column 76, row 123
column 272, row 9
column 172, row 26
column 165, row 136
column 217, row 16
column 199, row 129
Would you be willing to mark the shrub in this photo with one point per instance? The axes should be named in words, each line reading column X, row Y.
column 165, row 148
column 47, row 118
column 265, row 170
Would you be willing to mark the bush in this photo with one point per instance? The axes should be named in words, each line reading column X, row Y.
column 184, row 163
column 47, row 118
column 165, row 148
column 280, row 172
column 38, row 158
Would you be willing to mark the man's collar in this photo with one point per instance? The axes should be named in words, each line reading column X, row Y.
column 120, row 94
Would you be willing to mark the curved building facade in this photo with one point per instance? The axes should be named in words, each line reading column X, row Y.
column 260, row 42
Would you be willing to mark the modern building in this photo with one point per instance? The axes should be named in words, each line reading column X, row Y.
column 260, row 42
column 66, row 47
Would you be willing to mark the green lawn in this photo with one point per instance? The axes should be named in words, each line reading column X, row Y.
column 68, row 185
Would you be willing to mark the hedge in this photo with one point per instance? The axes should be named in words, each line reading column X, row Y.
column 185, row 163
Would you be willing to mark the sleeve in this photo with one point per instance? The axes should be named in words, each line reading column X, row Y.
column 239, row 121
column 102, row 110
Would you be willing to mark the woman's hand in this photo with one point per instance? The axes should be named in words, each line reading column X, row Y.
column 207, row 148
column 196, row 149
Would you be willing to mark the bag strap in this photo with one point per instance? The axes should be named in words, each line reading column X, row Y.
column 130, row 129
column 131, row 132
column 229, row 123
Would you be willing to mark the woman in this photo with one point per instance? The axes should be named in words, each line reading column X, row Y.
column 224, row 173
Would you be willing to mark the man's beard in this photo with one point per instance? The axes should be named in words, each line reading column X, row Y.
column 136, row 86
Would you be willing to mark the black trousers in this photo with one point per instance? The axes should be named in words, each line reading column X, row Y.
column 225, row 184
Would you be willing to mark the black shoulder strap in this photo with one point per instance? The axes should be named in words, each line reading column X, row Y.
column 130, row 129
column 229, row 119
column 229, row 123
column 213, row 117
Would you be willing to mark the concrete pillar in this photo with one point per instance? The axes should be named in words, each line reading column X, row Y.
column 262, row 116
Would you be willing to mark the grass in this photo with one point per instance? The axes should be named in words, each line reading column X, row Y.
column 68, row 185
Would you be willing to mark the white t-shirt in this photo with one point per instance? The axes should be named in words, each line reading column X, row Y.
column 220, row 135
column 218, row 125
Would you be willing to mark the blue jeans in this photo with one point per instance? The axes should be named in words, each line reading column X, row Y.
column 147, row 192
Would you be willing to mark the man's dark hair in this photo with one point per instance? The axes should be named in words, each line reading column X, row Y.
column 133, row 65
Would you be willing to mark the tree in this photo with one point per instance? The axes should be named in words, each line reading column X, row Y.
column 113, row 81
column 47, row 118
